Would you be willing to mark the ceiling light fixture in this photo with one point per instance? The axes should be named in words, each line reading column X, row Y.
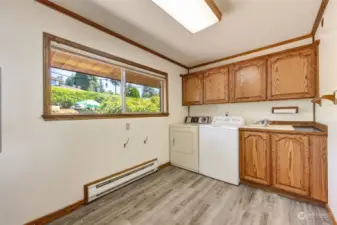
column 194, row 15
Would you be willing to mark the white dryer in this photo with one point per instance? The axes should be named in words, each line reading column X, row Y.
column 184, row 146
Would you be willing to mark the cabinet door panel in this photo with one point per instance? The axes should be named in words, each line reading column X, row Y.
column 192, row 89
column 318, row 168
column 255, row 157
column 248, row 81
column 292, row 75
column 216, row 85
column 290, row 155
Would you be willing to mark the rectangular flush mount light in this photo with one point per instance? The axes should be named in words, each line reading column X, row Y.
column 194, row 15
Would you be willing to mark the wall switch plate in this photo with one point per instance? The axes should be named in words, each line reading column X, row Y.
column 127, row 126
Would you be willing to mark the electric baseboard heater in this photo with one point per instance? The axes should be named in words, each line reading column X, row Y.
column 106, row 185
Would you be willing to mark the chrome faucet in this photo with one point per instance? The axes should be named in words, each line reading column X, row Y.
column 264, row 122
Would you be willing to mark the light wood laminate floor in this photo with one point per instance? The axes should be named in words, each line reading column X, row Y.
column 174, row 196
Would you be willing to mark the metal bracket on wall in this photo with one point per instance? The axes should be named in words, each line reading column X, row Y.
column 332, row 98
column 126, row 143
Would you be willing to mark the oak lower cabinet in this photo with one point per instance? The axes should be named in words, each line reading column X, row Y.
column 295, row 164
column 290, row 155
column 318, row 168
column 192, row 90
column 248, row 81
column 255, row 157
column 292, row 74
column 216, row 86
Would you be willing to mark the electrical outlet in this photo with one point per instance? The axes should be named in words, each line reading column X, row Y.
column 127, row 126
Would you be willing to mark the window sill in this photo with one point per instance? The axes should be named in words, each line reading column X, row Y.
column 92, row 117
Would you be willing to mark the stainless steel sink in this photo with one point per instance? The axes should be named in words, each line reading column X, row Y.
column 271, row 127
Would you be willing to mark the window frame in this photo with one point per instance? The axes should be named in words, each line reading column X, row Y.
column 47, row 114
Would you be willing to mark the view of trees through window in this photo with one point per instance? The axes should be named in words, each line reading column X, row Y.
column 80, row 93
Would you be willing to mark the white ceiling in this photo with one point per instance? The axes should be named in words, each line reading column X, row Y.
column 245, row 25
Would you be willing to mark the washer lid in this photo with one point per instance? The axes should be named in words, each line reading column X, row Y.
column 215, row 126
column 228, row 121
column 184, row 125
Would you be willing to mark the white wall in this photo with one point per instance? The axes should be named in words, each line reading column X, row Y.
column 44, row 165
column 327, row 114
column 254, row 111
column 257, row 110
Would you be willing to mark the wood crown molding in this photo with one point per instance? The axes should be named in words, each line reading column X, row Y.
column 315, row 44
column 319, row 17
column 91, row 23
column 253, row 50
column 214, row 8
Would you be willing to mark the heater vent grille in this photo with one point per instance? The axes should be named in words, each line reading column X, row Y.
column 103, row 186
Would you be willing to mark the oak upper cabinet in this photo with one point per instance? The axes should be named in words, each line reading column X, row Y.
column 216, row 85
column 290, row 159
column 255, row 157
column 292, row 74
column 192, row 89
column 248, row 81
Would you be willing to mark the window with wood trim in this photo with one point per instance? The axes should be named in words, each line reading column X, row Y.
column 84, row 83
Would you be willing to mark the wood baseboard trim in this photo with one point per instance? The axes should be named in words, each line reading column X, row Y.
column 332, row 217
column 162, row 166
column 70, row 208
column 55, row 215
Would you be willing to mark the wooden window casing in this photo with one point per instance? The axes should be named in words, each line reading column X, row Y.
column 53, row 57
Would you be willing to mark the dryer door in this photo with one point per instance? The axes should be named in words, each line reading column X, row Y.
column 184, row 149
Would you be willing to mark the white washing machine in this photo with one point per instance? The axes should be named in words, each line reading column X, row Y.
column 219, row 149
column 184, row 146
